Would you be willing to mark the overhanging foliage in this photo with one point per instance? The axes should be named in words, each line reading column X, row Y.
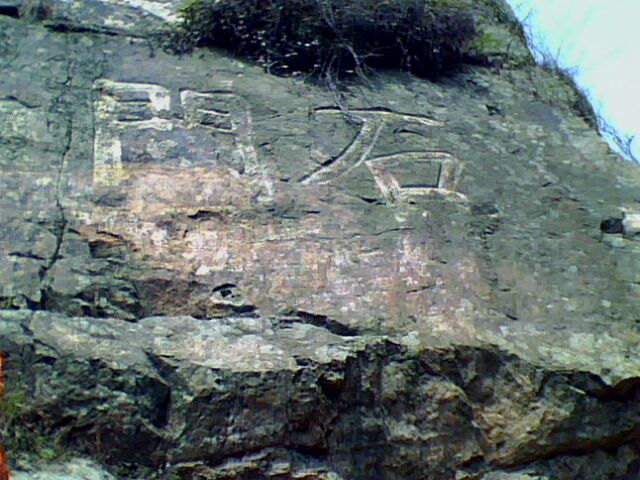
column 332, row 37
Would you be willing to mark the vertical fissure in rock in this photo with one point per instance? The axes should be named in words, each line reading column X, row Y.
column 60, row 223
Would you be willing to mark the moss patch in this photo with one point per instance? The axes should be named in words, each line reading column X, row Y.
column 21, row 438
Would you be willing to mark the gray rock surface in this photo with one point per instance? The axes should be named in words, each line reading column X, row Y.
column 74, row 469
column 213, row 273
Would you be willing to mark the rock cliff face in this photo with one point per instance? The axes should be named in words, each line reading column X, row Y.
column 208, row 272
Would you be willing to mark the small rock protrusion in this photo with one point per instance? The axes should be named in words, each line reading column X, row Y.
column 227, row 299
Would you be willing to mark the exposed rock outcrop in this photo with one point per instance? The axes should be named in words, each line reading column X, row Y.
column 209, row 272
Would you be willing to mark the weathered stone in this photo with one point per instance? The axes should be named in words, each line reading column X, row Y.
column 631, row 224
column 211, row 272
column 75, row 469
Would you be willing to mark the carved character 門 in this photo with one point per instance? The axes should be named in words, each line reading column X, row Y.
column 121, row 108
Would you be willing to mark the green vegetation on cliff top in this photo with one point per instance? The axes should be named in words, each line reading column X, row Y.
column 334, row 38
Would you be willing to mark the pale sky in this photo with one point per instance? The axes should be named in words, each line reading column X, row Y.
column 601, row 39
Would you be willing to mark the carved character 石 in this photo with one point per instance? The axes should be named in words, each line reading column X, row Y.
column 385, row 169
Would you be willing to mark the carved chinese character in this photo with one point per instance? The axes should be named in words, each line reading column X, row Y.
column 399, row 176
column 213, row 110
column 120, row 106
column 217, row 123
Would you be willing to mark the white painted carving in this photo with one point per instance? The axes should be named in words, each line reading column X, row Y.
column 121, row 106
column 449, row 171
column 223, row 112
column 200, row 110
column 359, row 152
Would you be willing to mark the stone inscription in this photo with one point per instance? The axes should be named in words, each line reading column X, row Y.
column 138, row 122
column 442, row 168
column 122, row 108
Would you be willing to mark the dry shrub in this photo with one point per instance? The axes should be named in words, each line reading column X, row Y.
column 332, row 38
